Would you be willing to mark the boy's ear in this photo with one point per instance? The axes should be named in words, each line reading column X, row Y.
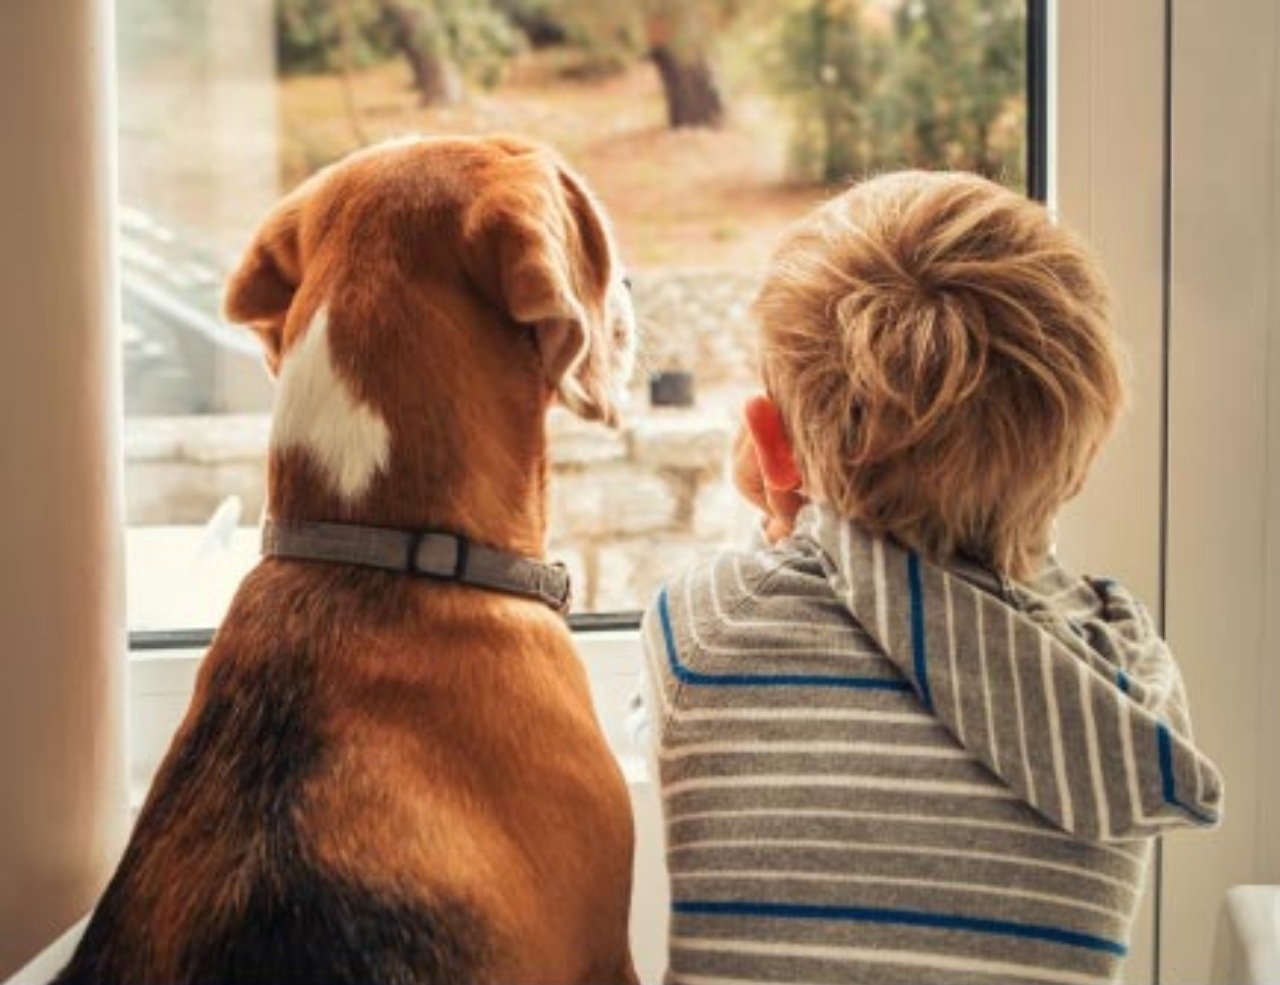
column 773, row 447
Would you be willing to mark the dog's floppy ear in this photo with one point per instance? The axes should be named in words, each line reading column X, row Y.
column 263, row 285
column 554, row 263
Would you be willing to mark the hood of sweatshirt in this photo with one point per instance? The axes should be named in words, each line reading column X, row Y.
column 1061, row 685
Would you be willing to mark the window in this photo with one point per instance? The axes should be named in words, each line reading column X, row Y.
column 705, row 126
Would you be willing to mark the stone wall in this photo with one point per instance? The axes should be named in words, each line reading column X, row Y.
column 627, row 506
column 698, row 319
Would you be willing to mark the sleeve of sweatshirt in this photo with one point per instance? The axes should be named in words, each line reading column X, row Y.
column 668, row 638
column 686, row 611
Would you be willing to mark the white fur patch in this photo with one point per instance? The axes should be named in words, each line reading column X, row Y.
column 317, row 412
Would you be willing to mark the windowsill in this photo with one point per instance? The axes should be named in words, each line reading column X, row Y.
column 185, row 576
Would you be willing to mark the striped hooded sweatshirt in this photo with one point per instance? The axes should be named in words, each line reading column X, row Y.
column 876, row 769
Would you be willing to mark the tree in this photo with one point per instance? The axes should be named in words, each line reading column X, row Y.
column 831, row 67
column 536, row 20
column 417, row 31
column 961, row 84
column 603, row 38
column 936, row 85
column 446, row 43
column 308, row 35
column 679, row 35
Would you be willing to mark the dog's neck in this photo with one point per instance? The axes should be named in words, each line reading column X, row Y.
column 441, row 426
column 487, row 483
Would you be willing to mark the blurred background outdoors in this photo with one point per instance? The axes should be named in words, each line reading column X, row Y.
column 704, row 126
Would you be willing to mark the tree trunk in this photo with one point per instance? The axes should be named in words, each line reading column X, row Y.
column 416, row 32
column 689, row 85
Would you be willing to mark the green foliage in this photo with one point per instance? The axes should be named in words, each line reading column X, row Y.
column 935, row 85
column 307, row 35
column 475, row 35
column 535, row 19
column 607, row 35
column 604, row 38
column 687, row 27
column 479, row 39
column 832, row 70
column 961, row 84
column 870, row 85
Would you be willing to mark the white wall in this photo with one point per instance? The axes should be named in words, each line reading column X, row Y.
column 1108, row 185
column 1269, row 679
column 1220, row 561
column 1221, row 589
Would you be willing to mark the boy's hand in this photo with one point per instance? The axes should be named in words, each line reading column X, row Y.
column 779, row 506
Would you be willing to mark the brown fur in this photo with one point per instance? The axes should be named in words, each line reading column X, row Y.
column 369, row 750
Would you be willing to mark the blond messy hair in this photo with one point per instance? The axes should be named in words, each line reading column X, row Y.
column 945, row 364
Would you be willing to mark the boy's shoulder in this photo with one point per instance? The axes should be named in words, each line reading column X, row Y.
column 740, row 608
column 716, row 588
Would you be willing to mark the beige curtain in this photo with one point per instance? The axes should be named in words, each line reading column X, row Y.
column 62, row 643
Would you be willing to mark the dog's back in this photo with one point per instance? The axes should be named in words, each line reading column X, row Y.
column 223, row 881
column 335, row 807
column 385, row 778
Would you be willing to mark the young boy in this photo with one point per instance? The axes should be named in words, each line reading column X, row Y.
column 903, row 744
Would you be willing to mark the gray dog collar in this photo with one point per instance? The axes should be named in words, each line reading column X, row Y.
column 434, row 554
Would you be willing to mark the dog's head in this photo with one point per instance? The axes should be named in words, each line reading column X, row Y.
column 423, row 292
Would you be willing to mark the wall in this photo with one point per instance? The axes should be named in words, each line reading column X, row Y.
column 1221, row 599
column 628, row 506
column 1268, row 836
column 1205, row 541
column 1108, row 169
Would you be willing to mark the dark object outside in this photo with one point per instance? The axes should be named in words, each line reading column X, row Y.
column 671, row 388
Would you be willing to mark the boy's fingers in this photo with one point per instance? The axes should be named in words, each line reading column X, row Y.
column 784, row 503
column 776, row 529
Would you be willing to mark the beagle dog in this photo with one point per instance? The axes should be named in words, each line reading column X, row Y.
column 391, row 770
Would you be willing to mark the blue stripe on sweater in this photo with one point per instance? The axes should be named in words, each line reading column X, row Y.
column 909, row 918
column 688, row 676
column 917, row 628
column 1164, row 749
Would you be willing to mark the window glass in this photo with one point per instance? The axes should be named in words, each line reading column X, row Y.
column 705, row 126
